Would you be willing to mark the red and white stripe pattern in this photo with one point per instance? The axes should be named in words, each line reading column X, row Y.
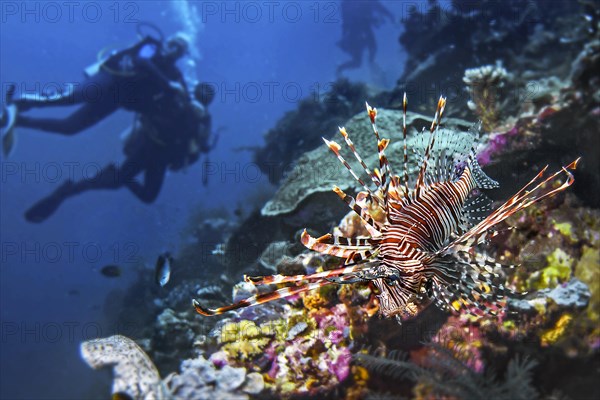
column 427, row 248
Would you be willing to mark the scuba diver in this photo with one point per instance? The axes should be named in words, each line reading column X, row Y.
column 150, row 148
column 136, row 79
column 358, row 20
column 170, row 131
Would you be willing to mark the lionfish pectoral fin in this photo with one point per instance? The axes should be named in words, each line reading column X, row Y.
column 260, row 298
column 202, row 310
column 533, row 192
column 319, row 244
column 275, row 279
column 481, row 179
column 344, row 280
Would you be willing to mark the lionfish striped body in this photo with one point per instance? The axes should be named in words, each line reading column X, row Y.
column 426, row 249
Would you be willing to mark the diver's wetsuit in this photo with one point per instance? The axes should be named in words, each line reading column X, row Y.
column 151, row 149
column 146, row 156
column 135, row 79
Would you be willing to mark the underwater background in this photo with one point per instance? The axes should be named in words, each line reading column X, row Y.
column 527, row 70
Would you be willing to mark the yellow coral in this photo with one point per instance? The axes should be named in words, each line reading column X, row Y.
column 236, row 331
column 320, row 298
column 555, row 333
column 588, row 270
column 565, row 229
column 246, row 349
column 557, row 271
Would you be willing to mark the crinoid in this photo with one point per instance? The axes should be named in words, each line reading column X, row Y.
column 428, row 248
column 446, row 374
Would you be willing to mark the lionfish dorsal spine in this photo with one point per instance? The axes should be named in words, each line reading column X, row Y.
column 405, row 161
column 358, row 209
column 384, row 166
column 350, row 144
column 435, row 124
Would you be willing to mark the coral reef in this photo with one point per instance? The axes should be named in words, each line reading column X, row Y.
column 311, row 338
column 136, row 376
column 526, row 37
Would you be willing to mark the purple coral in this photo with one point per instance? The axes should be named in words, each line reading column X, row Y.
column 334, row 323
column 495, row 145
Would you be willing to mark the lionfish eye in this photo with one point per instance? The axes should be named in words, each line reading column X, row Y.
column 429, row 288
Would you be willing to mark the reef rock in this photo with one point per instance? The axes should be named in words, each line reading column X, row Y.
column 573, row 294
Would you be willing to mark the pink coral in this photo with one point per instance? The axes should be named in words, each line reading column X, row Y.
column 496, row 144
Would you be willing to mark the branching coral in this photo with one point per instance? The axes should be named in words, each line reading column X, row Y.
column 484, row 84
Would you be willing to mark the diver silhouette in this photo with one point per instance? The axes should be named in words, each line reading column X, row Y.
column 170, row 131
column 150, row 148
column 126, row 79
column 358, row 20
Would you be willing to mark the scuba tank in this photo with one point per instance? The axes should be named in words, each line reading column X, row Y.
column 122, row 62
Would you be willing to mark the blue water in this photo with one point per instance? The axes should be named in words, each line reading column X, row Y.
column 245, row 49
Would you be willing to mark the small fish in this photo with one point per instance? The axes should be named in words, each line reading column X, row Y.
column 73, row 292
column 111, row 271
column 163, row 268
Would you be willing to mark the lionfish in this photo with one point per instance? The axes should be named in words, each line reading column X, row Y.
column 427, row 248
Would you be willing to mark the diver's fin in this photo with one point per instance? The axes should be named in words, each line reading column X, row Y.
column 45, row 207
column 8, row 130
